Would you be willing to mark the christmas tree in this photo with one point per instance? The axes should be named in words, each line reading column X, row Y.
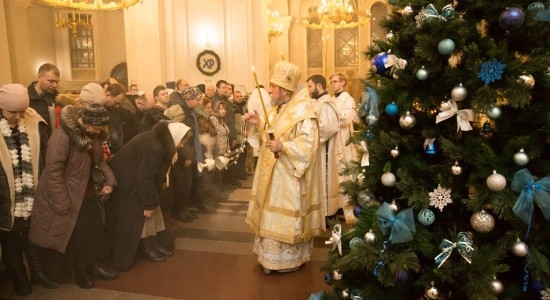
column 452, row 186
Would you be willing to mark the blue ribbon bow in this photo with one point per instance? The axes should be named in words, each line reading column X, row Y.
column 464, row 244
column 531, row 191
column 447, row 13
column 401, row 226
column 369, row 105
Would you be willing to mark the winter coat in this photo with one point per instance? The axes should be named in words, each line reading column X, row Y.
column 63, row 182
column 38, row 132
column 40, row 103
column 140, row 168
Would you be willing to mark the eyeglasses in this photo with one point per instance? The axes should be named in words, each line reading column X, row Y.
column 335, row 81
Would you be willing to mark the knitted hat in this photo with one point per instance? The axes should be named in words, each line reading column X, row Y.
column 178, row 131
column 96, row 115
column 14, row 97
column 92, row 93
column 286, row 75
column 191, row 92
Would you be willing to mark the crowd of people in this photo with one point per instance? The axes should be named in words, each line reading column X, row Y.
column 92, row 176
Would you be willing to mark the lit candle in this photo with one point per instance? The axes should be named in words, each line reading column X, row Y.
column 261, row 97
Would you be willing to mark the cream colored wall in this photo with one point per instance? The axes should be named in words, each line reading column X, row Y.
column 5, row 75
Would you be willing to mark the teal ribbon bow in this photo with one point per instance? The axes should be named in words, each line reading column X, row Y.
column 447, row 13
column 464, row 244
column 529, row 192
column 401, row 226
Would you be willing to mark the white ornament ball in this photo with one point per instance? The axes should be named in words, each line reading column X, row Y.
column 422, row 74
column 496, row 182
column 407, row 10
column 370, row 237
column 497, row 287
column 456, row 169
column 407, row 121
column 482, row 221
column 494, row 112
column 394, row 152
column 388, row 179
column 521, row 158
column 520, row 248
column 459, row 93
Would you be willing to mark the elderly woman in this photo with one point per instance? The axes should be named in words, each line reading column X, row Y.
column 67, row 212
column 22, row 150
column 133, row 213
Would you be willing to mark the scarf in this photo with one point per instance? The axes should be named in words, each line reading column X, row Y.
column 17, row 141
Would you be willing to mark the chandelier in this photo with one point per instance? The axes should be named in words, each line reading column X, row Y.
column 274, row 28
column 91, row 4
column 333, row 14
column 73, row 22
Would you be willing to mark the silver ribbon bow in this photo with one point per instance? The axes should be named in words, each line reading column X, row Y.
column 463, row 116
column 336, row 239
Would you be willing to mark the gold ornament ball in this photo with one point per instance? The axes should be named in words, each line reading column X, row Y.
column 456, row 169
column 417, row 106
column 520, row 249
column 407, row 121
column 482, row 221
column 527, row 79
column 432, row 111
column 459, row 93
column 497, row 287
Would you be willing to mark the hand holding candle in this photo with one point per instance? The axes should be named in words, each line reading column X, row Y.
column 270, row 131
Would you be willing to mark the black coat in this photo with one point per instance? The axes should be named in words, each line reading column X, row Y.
column 140, row 168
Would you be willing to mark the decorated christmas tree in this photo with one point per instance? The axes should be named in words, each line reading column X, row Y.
column 452, row 185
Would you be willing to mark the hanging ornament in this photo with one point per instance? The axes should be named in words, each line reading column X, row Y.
column 456, row 169
column 429, row 146
column 356, row 294
column 355, row 242
column 521, row 158
column 494, row 112
column 365, row 156
column 328, row 279
column 401, row 275
column 407, row 10
column 431, row 292
column 432, row 111
column 511, row 18
column 394, row 152
column 445, row 105
column 491, row 71
column 426, row 217
column 407, row 121
column 482, row 27
column 388, row 179
column 366, row 198
column 393, row 206
column 520, row 248
column 422, row 74
column 459, row 93
column 360, row 178
column 391, row 109
column 496, row 182
column 370, row 237
column 486, row 130
column 537, row 285
column 446, row 46
column 417, row 105
column 336, row 275
column 463, row 116
column 345, row 294
column 482, row 221
column 527, row 79
column 440, row 197
column 386, row 64
column 455, row 59
column 389, row 35
column 496, row 286
column 357, row 210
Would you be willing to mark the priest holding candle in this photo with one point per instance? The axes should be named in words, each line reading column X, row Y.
column 285, row 209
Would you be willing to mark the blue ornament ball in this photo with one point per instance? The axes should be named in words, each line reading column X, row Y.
column 391, row 109
column 446, row 47
column 328, row 278
column 537, row 285
column 511, row 18
column 401, row 275
column 379, row 64
column 426, row 217
column 357, row 211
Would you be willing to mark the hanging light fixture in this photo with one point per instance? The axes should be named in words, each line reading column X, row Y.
column 74, row 20
column 333, row 14
column 274, row 28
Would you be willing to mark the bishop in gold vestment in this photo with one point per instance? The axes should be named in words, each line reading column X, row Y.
column 285, row 208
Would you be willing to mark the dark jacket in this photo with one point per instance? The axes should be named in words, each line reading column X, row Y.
column 40, row 103
column 151, row 118
column 37, row 131
column 116, row 129
column 175, row 98
column 140, row 168
column 63, row 182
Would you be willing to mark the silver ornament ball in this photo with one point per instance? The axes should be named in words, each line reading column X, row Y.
column 407, row 121
column 496, row 182
column 482, row 221
column 497, row 287
column 456, row 169
column 520, row 248
column 431, row 292
column 366, row 198
column 394, row 152
column 494, row 112
column 459, row 93
column 370, row 237
column 388, row 179
column 422, row 74
column 521, row 158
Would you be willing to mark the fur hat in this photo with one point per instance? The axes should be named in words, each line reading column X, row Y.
column 92, row 93
column 191, row 93
column 96, row 115
column 14, row 97
column 286, row 75
column 178, row 131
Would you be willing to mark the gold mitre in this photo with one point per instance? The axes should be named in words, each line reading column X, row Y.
column 286, row 75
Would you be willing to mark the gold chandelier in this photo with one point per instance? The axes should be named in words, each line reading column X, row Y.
column 274, row 28
column 91, row 4
column 333, row 14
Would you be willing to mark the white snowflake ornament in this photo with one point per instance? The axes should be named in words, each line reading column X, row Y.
column 440, row 197
column 545, row 294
